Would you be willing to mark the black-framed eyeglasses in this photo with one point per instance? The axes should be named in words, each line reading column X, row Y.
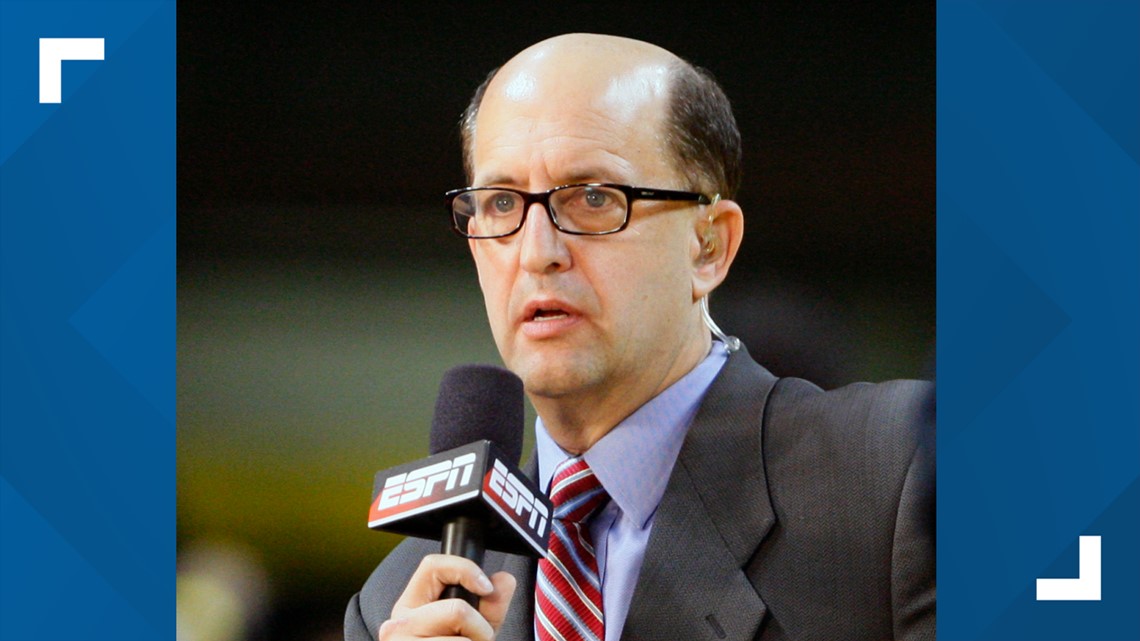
column 586, row 209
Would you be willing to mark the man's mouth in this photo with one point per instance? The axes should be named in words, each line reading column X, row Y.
column 548, row 319
column 541, row 315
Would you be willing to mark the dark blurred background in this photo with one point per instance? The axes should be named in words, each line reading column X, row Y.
column 321, row 295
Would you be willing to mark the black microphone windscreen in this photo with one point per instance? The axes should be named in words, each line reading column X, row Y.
column 479, row 402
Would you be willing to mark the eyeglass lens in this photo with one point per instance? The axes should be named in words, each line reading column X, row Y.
column 494, row 212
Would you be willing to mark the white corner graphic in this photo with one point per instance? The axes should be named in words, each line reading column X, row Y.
column 1086, row 587
column 53, row 51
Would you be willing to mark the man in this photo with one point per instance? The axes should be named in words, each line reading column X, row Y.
column 722, row 503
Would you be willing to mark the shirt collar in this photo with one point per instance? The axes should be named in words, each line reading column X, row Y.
column 634, row 460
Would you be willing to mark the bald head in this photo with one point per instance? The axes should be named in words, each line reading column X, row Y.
column 612, row 75
column 586, row 50
column 586, row 60
column 623, row 80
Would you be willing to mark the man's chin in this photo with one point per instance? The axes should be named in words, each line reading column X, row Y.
column 553, row 378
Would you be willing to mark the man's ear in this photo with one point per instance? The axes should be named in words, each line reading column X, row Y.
column 717, row 239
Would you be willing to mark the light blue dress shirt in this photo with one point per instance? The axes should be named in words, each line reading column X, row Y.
column 633, row 462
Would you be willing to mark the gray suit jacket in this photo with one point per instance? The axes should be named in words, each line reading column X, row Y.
column 791, row 513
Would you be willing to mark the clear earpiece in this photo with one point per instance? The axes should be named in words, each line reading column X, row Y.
column 731, row 343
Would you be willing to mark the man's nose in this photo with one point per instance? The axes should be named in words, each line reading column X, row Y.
column 543, row 246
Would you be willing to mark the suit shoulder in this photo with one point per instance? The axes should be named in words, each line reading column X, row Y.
column 891, row 405
column 874, row 423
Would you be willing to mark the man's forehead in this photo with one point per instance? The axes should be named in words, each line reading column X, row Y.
column 578, row 138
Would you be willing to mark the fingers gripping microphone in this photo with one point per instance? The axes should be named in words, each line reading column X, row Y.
column 469, row 493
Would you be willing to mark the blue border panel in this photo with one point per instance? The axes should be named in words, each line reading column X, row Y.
column 1038, row 315
column 87, row 276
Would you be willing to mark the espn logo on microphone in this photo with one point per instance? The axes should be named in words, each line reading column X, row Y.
column 511, row 497
column 404, row 494
column 475, row 480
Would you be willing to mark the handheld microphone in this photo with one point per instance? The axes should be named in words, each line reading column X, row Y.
column 470, row 493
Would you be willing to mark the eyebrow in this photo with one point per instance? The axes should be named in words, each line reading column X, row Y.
column 590, row 175
column 587, row 175
column 494, row 180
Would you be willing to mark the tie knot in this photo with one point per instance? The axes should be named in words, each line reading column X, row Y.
column 575, row 492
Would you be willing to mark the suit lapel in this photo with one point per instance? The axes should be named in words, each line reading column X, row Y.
column 713, row 516
column 519, row 625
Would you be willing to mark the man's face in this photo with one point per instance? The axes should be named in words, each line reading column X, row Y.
column 576, row 317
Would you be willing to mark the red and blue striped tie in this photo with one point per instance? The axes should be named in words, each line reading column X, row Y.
column 569, row 596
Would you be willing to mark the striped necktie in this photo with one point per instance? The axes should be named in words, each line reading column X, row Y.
column 569, row 596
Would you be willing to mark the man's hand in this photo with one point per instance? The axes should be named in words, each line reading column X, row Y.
column 418, row 614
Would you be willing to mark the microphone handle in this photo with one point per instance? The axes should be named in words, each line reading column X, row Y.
column 463, row 536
